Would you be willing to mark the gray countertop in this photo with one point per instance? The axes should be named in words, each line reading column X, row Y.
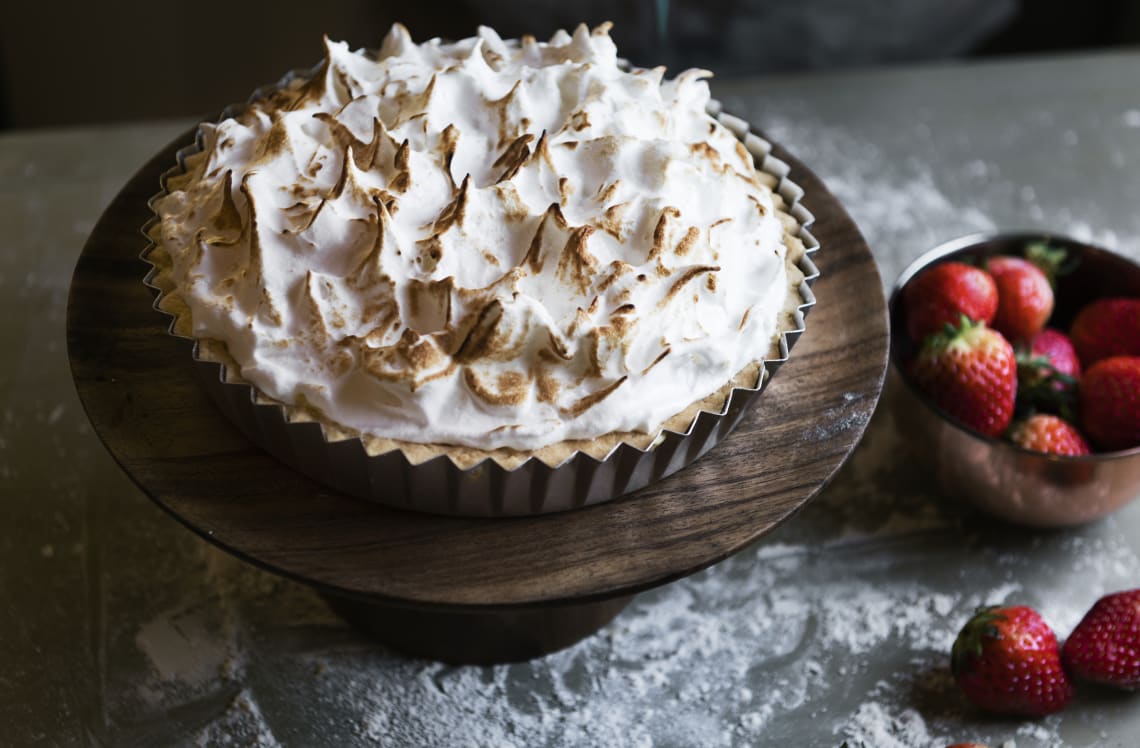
column 119, row 627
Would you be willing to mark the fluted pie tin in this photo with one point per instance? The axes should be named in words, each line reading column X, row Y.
column 438, row 485
column 996, row 476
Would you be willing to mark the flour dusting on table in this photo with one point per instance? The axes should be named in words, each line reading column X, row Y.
column 784, row 634
column 835, row 627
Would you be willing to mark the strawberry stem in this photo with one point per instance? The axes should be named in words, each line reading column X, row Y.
column 1038, row 390
column 1050, row 260
column 968, row 646
column 949, row 332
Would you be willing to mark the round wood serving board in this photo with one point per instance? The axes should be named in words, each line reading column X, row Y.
column 140, row 392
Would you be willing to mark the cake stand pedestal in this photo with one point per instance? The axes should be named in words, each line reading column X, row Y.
column 469, row 590
column 482, row 638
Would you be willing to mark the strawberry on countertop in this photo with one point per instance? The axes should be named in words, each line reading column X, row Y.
column 1105, row 645
column 1006, row 661
column 943, row 293
column 971, row 373
column 1110, row 402
column 1106, row 328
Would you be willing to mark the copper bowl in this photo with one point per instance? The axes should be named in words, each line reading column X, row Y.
column 999, row 477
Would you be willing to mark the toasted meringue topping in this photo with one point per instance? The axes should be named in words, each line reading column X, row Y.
column 484, row 243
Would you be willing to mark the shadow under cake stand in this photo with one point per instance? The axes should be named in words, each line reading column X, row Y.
column 469, row 590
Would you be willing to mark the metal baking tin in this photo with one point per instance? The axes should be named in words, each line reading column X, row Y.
column 487, row 489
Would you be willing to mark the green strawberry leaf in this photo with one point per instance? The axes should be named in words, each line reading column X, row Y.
column 1053, row 261
column 1037, row 390
column 967, row 647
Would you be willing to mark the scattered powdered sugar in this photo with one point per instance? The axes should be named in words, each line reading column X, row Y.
column 898, row 205
column 241, row 724
column 831, row 630
column 874, row 725
column 1105, row 237
column 984, row 182
column 835, row 627
column 181, row 647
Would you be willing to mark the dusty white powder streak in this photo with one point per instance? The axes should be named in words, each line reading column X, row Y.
column 837, row 627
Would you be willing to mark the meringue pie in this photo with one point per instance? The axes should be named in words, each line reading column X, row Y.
column 481, row 248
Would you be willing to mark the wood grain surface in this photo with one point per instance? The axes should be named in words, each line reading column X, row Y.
column 140, row 392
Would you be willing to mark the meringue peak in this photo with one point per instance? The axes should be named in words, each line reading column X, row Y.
column 486, row 242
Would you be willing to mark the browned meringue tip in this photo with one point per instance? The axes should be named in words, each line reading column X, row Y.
column 443, row 484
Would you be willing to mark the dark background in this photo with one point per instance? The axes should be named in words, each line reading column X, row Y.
column 95, row 62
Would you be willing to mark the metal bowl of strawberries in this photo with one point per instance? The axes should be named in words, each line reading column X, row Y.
column 1019, row 362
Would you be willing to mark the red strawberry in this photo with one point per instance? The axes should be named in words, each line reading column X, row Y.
column 1006, row 661
column 943, row 293
column 971, row 373
column 1107, row 327
column 1025, row 298
column 1110, row 402
column 1105, row 645
column 1047, row 433
column 1058, row 351
column 1047, row 375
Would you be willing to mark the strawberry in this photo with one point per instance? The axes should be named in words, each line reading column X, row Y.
column 971, row 373
column 1050, row 434
column 1058, row 351
column 1047, row 375
column 1025, row 298
column 1105, row 645
column 1107, row 327
column 943, row 293
column 1110, row 402
column 1005, row 660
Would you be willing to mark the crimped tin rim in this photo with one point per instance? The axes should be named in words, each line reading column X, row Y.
column 583, row 462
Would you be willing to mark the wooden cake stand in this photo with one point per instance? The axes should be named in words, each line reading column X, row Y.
column 460, row 589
